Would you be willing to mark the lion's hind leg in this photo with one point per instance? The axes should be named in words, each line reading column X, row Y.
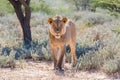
column 73, row 54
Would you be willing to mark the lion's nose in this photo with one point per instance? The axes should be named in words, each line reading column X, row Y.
column 58, row 30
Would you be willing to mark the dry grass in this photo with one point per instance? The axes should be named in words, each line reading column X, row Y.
column 101, row 48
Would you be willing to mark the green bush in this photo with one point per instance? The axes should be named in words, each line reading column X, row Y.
column 5, row 7
column 41, row 6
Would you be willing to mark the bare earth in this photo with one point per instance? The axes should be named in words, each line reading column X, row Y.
column 44, row 71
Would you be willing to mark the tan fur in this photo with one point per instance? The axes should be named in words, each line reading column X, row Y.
column 62, row 32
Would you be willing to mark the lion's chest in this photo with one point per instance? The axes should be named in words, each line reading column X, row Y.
column 57, row 42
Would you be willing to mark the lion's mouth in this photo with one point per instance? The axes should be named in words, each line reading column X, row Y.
column 57, row 36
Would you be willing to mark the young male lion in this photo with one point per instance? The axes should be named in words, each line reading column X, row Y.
column 62, row 32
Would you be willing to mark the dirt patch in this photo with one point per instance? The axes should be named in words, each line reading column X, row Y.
column 44, row 71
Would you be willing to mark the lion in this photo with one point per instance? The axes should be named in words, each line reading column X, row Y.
column 62, row 32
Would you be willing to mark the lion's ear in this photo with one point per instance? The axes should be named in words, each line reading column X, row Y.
column 50, row 20
column 64, row 20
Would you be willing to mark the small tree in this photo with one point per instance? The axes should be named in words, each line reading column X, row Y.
column 24, row 18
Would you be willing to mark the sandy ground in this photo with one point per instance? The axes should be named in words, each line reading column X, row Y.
column 44, row 71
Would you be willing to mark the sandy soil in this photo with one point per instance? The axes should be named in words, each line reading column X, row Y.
column 44, row 71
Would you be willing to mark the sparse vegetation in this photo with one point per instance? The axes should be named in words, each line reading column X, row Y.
column 98, row 36
column 7, row 60
column 116, row 30
column 111, row 66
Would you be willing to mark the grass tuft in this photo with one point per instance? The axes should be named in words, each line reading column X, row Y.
column 7, row 60
column 111, row 66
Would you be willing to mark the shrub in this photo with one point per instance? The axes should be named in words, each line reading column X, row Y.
column 115, row 14
column 96, row 18
column 106, row 57
column 95, row 59
column 86, row 19
column 116, row 30
column 35, row 56
column 46, row 54
column 111, row 66
column 7, row 60
column 89, row 61
column 38, row 20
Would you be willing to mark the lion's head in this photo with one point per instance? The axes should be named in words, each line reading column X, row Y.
column 57, row 26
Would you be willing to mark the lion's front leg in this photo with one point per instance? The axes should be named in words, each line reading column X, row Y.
column 53, row 52
column 61, row 57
